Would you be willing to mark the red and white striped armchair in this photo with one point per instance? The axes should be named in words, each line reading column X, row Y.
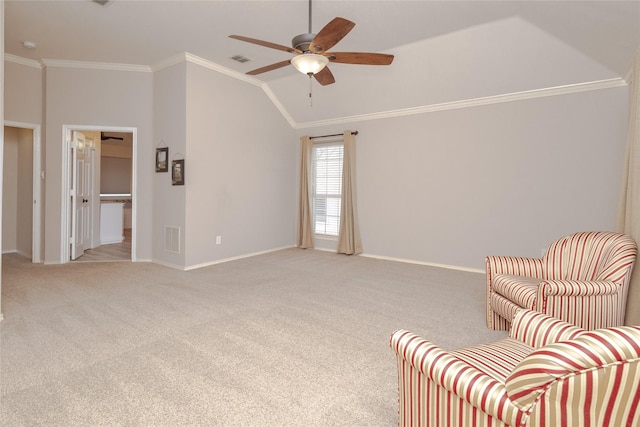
column 582, row 279
column 546, row 373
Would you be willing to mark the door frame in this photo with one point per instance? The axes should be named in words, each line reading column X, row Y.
column 38, row 176
column 67, row 130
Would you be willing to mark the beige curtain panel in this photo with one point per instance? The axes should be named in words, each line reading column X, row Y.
column 304, row 230
column 349, row 235
column 629, row 213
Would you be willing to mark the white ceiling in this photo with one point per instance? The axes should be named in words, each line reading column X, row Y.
column 445, row 51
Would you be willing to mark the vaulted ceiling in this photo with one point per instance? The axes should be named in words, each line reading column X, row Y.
column 445, row 51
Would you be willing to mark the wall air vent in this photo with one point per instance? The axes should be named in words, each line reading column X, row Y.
column 172, row 239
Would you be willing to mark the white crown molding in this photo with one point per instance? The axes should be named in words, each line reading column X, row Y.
column 222, row 70
column 468, row 103
column 23, row 61
column 188, row 57
column 628, row 77
column 245, row 78
column 166, row 63
column 87, row 65
column 276, row 102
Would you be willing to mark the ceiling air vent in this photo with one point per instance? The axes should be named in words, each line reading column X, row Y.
column 241, row 59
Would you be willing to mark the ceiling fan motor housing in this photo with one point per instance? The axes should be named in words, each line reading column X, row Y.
column 302, row 41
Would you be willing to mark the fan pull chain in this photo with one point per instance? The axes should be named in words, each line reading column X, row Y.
column 310, row 90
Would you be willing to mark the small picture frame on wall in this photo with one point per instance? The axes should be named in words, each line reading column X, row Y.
column 162, row 159
column 177, row 172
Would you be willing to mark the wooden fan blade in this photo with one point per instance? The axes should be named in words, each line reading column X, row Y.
column 362, row 58
column 331, row 34
column 269, row 67
column 325, row 77
column 265, row 44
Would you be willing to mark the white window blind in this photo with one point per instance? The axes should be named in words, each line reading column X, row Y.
column 327, row 188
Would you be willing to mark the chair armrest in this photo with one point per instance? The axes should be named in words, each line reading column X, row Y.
column 588, row 304
column 611, row 354
column 453, row 374
column 514, row 266
column 538, row 329
column 582, row 288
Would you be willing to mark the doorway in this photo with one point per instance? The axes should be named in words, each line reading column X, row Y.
column 21, row 197
column 99, row 188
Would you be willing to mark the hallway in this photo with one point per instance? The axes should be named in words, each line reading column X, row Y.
column 109, row 253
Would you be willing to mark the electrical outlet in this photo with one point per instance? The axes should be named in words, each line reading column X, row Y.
column 218, row 240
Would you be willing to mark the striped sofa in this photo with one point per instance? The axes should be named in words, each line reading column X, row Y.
column 546, row 373
column 582, row 279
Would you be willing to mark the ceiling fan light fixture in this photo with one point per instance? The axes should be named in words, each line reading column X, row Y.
column 309, row 63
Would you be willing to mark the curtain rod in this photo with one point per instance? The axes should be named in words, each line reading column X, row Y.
column 335, row 134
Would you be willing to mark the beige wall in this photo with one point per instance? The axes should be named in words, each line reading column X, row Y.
column 17, row 191
column 24, row 223
column 445, row 187
column 10, row 190
column 115, row 176
column 240, row 169
column 239, row 172
column 97, row 98
column 23, row 104
column 2, row 65
column 116, row 163
column 169, row 118
column 23, row 93
column 451, row 187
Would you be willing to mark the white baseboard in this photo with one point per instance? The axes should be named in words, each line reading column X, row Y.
column 24, row 254
column 324, row 250
column 16, row 251
column 168, row 264
column 430, row 264
column 412, row 261
column 218, row 261
column 249, row 255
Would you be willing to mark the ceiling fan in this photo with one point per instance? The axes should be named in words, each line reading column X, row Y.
column 104, row 137
column 312, row 51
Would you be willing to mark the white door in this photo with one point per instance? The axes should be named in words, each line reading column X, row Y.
column 80, row 194
column 87, row 193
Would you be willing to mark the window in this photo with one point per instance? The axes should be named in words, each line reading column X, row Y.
column 327, row 188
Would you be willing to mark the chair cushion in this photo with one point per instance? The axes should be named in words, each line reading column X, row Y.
column 521, row 290
column 497, row 359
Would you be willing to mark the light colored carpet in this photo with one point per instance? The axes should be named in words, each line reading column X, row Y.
column 290, row 338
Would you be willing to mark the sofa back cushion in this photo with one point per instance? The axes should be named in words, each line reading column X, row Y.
column 590, row 256
column 537, row 329
column 605, row 365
